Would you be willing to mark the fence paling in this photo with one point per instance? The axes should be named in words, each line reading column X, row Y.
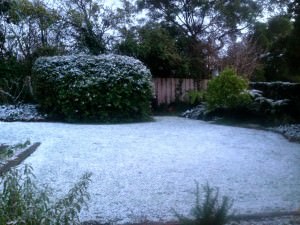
column 169, row 90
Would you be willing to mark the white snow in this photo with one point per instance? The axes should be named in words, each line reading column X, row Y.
column 255, row 93
column 274, row 83
column 94, row 68
column 144, row 170
column 21, row 112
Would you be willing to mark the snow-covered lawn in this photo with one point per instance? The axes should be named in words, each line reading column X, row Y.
column 144, row 170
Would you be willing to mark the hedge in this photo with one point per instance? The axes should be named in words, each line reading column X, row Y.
column 104, row 88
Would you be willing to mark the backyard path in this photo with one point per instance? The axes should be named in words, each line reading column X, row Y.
column 143, row 170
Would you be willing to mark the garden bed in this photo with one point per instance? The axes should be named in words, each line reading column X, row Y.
column 289, row 131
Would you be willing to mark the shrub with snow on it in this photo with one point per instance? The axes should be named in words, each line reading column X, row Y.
column 104, row 88
column 22, row 201
column 228, row 91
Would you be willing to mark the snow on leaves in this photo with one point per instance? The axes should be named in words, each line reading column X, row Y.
column 97, row 88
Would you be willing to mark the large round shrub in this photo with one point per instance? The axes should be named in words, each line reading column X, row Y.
column 228, row 91
column 104, row 88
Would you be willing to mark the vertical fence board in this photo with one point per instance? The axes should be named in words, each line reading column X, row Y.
column 172, row 88
column 183, row 90
column 167, row 89
column 168, row 92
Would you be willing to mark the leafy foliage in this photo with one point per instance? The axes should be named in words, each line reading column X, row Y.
column 15, row 82
column 198, row 19
column 205, row 25
column 22, row 202
column 181, row 38
column 209, row 211
column 195, row 97
column 105, row 88
column 7, row 151
column 165, row 51
column 89, row 21
column 34, row 26
column 293, row 50
column 227, row 90
column 279, row 38
column 29, row 30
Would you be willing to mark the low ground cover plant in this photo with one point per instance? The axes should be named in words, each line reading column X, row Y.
column 22, row 202
column 208, row 209
column 104, row 88
column 195, row 97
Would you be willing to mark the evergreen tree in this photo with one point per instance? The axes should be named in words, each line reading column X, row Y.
column 294, row 41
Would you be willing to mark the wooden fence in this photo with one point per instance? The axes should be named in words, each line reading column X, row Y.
column 168, row 90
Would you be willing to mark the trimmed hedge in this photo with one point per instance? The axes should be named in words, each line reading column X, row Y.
column 104, row 88
column 281, row 92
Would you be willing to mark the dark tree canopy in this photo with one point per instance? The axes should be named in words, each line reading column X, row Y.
column 206, row 21
column 89, row 21
column 202, row 27
column 294, row 41
column 181, row 38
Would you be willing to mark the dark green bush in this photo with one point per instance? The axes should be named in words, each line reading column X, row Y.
column 209, row 211
column 227, row 91
column 22, row 202
column 105, row 88
column 15, row 81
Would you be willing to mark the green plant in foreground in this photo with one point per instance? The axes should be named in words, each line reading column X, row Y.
column 22, row 202
column 209, row 211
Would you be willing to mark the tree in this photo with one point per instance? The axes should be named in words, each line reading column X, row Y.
column 208, row 24
column 293, row 51
column 32, row 30
column 157, row 50
column 165, row 51
column 154, row 46
column 126, row 19
column 203, row 20
column 126, row 40
column 273, row 37
column 244, row 57
column 89, row 21
column 5, row 6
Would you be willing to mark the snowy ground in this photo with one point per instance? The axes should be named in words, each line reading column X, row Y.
column 143, row 170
